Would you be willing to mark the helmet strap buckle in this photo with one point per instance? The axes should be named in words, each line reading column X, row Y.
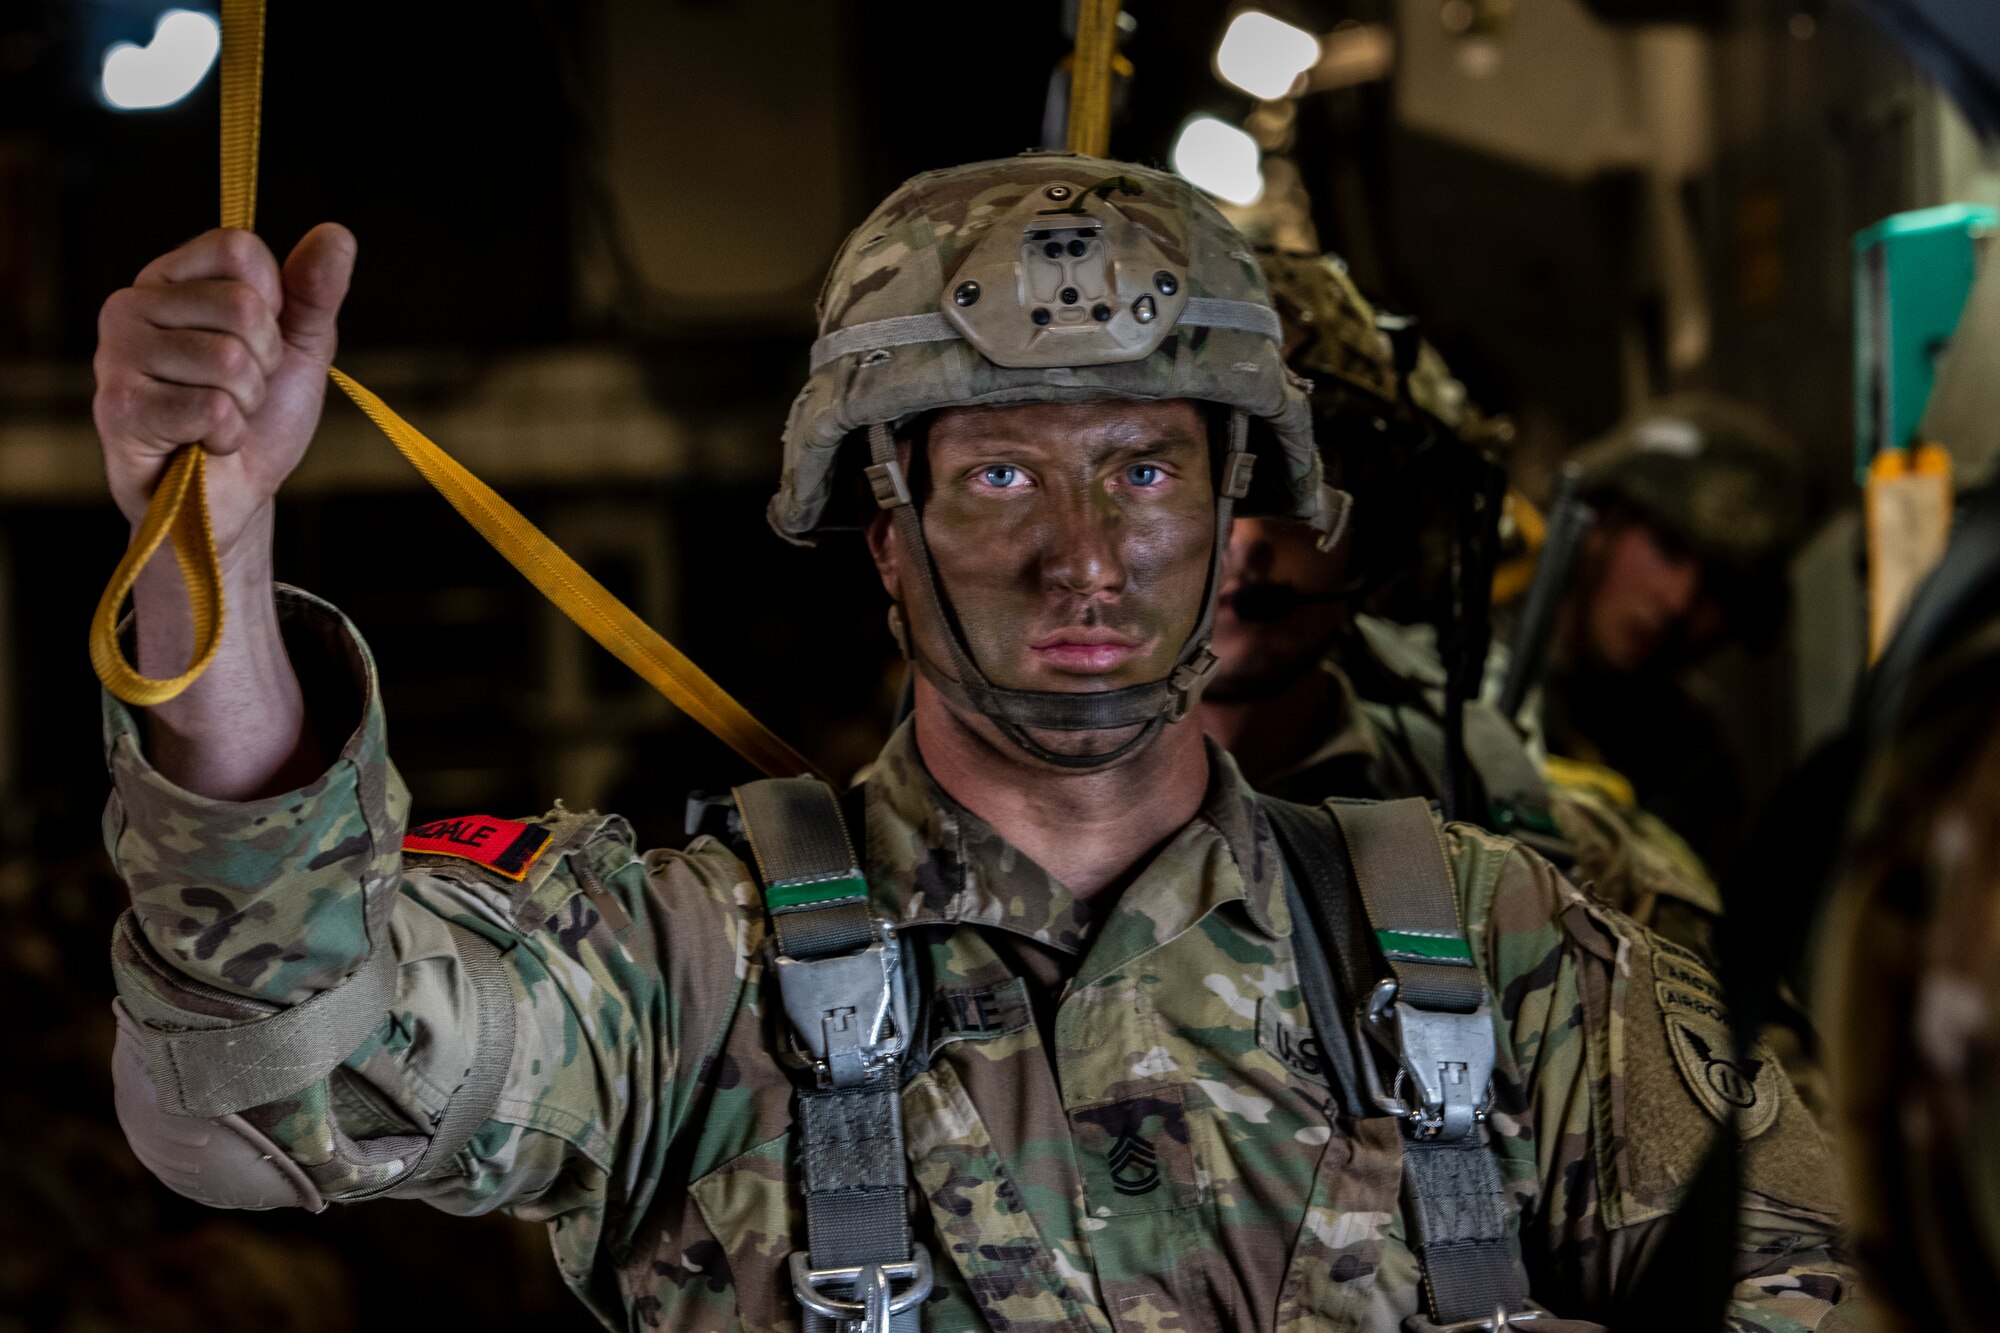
column 891, row 487
column 1336, row 509
column 1236, row 470
column 1185, row 685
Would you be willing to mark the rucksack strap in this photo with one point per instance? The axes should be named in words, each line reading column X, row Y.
column 1429, row 1016
column 839, row 975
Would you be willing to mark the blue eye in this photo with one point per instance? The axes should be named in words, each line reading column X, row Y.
column 1145, row 474
column 1000, row 476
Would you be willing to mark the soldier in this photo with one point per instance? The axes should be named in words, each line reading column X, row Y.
column 1698, row 508
column 1291, row 647
column 1054, row 1049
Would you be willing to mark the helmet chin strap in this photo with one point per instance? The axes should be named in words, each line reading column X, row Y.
column 1148, row 706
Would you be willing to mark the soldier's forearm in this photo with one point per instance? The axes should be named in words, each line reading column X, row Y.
column 241, row 730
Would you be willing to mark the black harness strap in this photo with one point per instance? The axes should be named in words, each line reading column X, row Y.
column 839, row 975
column 1388, row 860
column 1329, row 943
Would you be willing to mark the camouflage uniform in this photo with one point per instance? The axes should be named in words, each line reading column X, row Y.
column 1382, row 733
column 1114, row 1118
column 1390, row 743
column 1620, row 855
column 1716, row 483
column 646, row 1121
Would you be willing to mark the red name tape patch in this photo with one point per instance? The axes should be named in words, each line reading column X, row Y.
column 505, row 845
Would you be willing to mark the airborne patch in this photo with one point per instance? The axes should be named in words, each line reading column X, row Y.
column 505, row 846
column 1691, row 1006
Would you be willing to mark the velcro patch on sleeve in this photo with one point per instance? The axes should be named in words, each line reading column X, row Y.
column 505, row 846
column 1744, row 1090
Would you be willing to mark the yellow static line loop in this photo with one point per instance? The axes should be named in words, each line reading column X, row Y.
column 169, row 514
column 179, row 507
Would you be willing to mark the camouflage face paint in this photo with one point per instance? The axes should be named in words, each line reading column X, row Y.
column 1072, row 540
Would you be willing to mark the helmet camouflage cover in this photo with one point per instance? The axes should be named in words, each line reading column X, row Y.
column 1377, row 427
column 1714, row 473
column 1330, row 329
column 1332, row 335
column 1039, row 278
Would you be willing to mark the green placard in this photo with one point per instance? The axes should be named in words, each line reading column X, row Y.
column 811, row 893
column 1403, row 945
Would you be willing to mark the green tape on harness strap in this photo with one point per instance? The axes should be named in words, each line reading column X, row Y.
column 1426, row 948
column 812, row 892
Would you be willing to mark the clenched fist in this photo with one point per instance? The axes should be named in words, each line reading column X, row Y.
column 214, row 343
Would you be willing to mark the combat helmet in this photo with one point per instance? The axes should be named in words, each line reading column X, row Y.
column 1714, row 473
column 1390, row 418
column 1719, row 478
column 1041, row 278
column 1338, row 339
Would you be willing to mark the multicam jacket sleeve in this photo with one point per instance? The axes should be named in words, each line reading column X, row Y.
column 1615, row 1073
column 275, row 900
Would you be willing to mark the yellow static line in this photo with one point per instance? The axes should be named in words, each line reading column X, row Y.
column 559, row 578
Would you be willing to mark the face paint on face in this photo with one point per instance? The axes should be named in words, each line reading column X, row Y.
column 1070, row 540
column 1274, row 566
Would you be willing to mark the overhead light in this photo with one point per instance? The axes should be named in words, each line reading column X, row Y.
column 1219, row 158
column 166, row 69
column 1264, row 56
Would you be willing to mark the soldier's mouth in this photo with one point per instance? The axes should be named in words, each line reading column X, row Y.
column 1081, row 650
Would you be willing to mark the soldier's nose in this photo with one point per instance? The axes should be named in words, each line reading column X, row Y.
column 1084, row 553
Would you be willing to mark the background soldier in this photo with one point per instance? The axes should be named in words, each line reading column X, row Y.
column 1698, row 508
column 1316, row 698
column 1095, row 1071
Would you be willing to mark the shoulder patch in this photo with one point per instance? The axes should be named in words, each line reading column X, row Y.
column 505, row 846
column 1691, row 1006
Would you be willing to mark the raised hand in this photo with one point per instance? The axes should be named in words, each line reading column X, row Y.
column 214, row 343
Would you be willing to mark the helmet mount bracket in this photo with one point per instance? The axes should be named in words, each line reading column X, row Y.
column 1064, row 279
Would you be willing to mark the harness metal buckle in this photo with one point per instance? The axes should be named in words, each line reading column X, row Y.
column 849, row 1017
column 1446, row 1058
column 872, row 1302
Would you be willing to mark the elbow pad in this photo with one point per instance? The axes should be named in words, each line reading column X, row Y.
column 225, row 1162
